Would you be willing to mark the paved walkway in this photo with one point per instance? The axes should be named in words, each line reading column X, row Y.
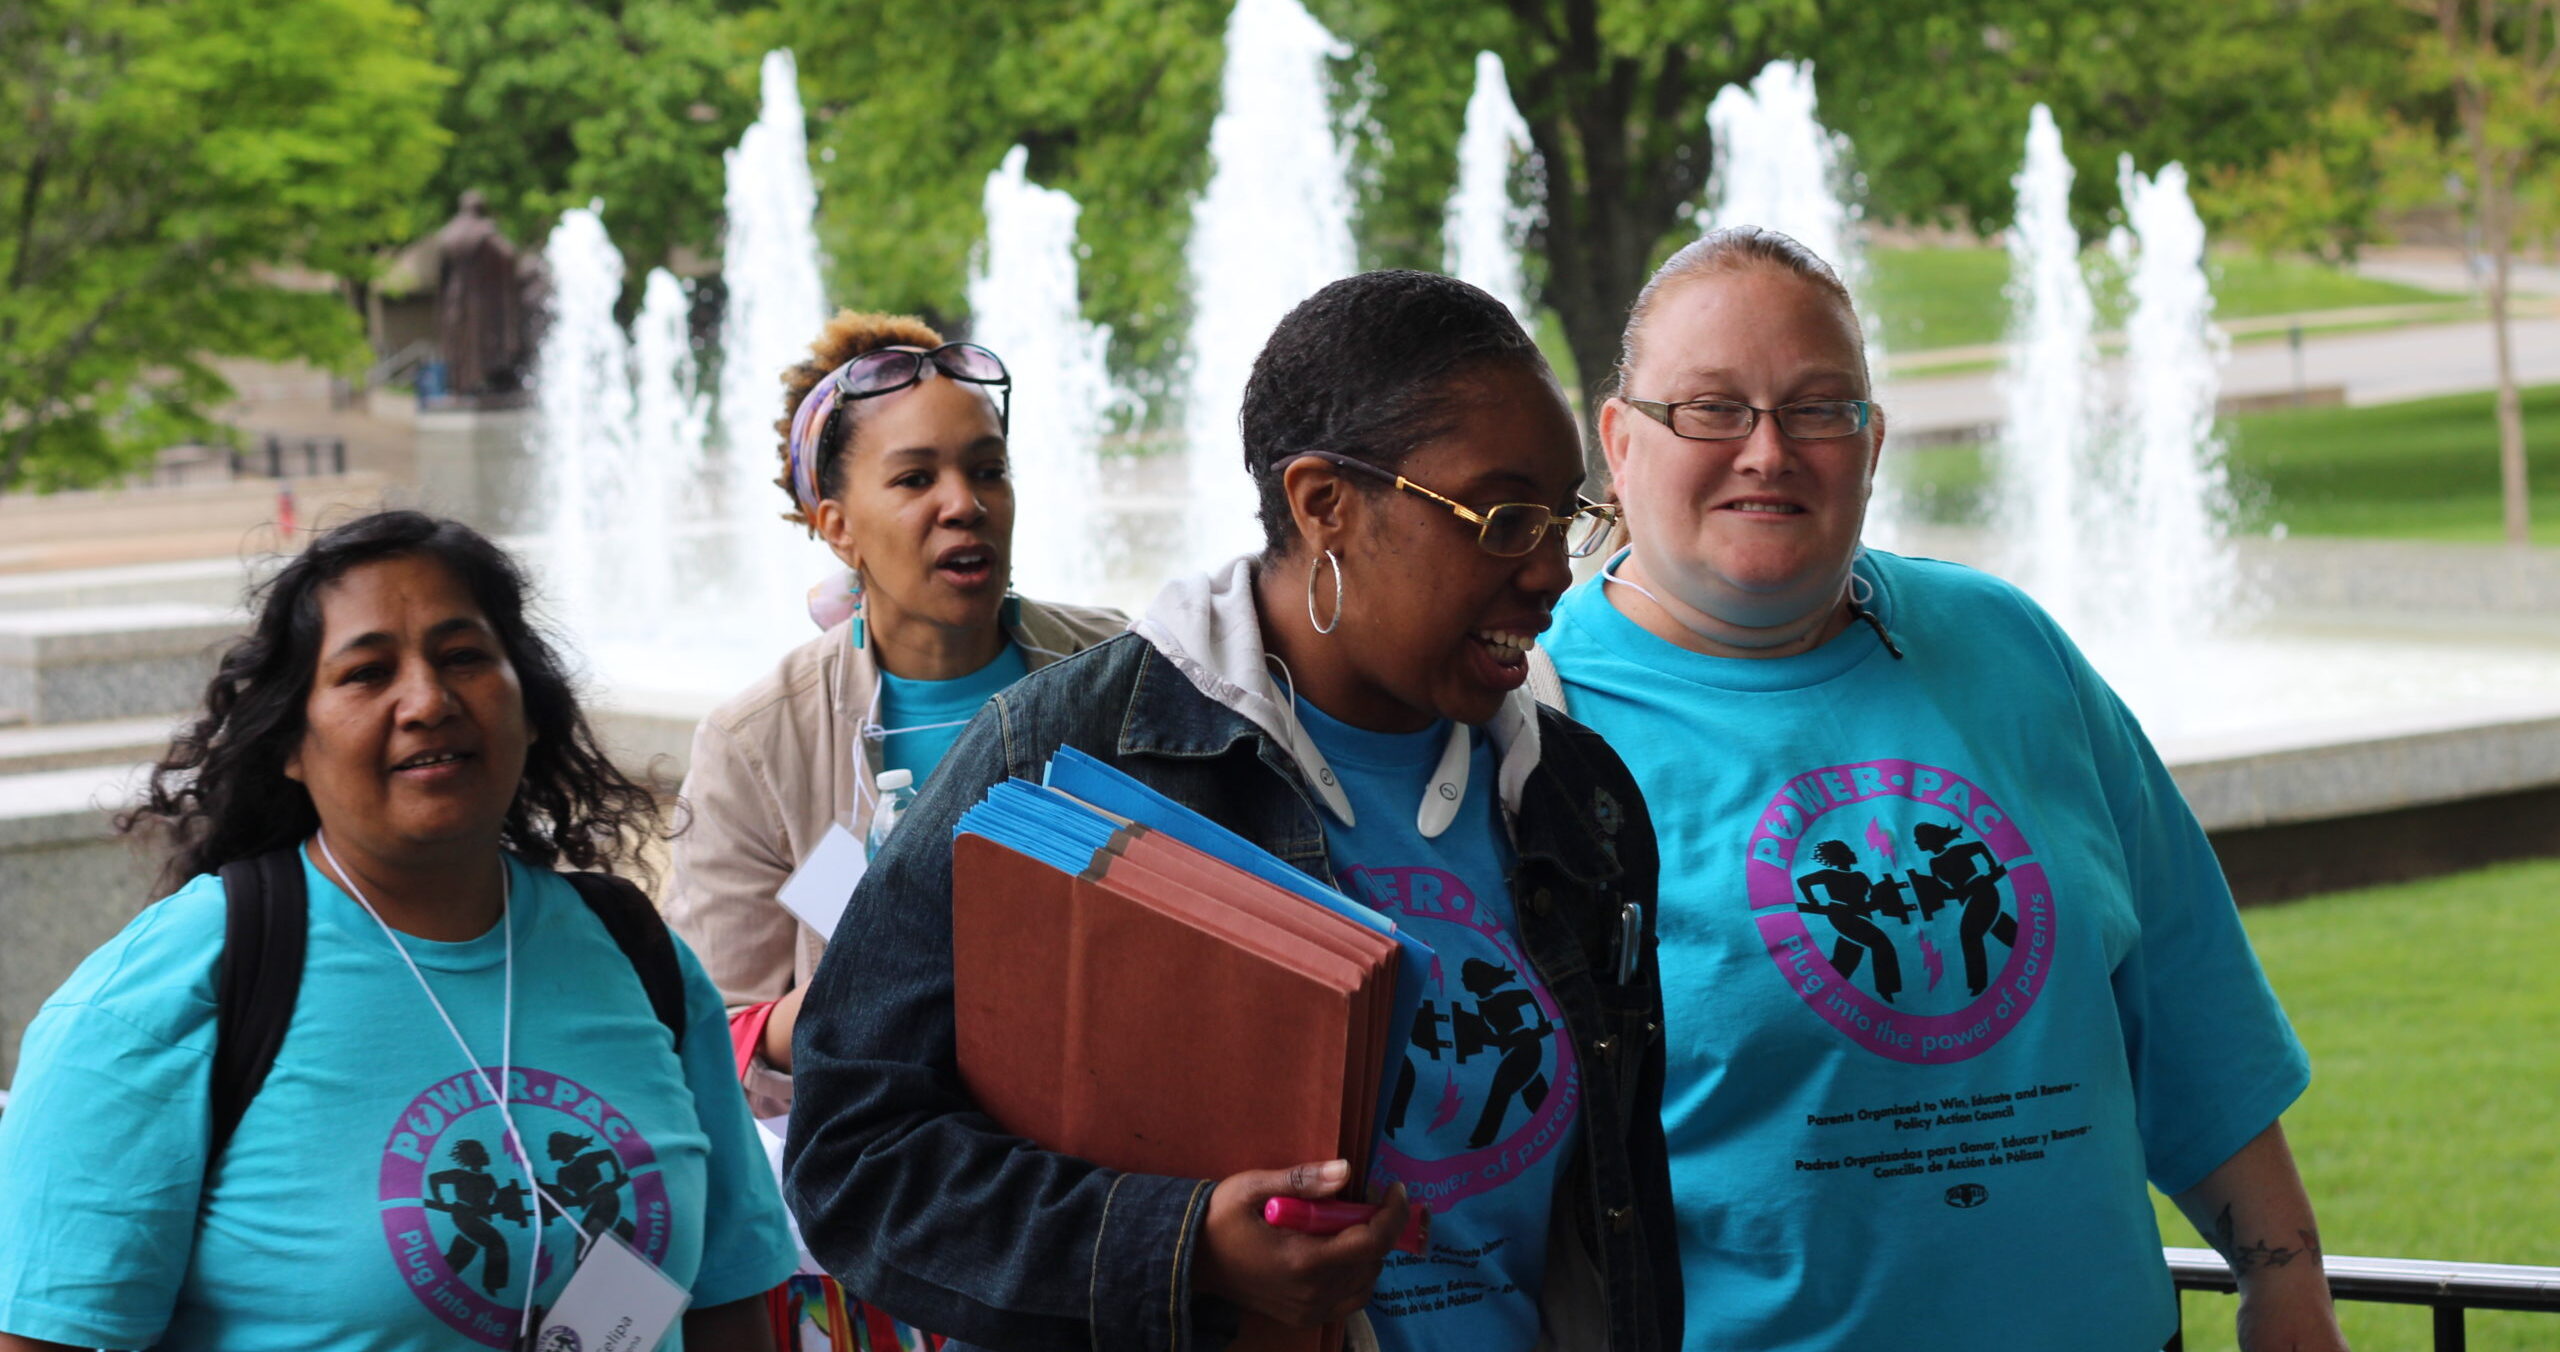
column 2448, row 270
column 2361, row 368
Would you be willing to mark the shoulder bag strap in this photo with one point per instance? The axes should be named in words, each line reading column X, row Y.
column 257, row 980
column 642, row 935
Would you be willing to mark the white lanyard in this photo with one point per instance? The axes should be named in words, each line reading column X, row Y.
column 868, row 730
column 506, row 1049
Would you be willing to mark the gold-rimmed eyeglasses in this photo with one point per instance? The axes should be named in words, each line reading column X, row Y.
column 1732, row 420
column 1508, row 529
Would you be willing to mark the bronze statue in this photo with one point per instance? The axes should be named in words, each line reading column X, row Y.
column 480, row 305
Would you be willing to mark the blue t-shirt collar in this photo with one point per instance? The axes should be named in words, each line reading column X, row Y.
column 1591, row 607
column 1396, row 754
column 482, row 951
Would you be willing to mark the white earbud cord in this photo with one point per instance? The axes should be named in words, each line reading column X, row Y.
column 1819, row 616
column 506, row 1054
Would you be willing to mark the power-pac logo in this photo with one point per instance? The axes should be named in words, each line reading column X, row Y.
column 1900, row 902
column 460, row 1213
column 1486, row 1088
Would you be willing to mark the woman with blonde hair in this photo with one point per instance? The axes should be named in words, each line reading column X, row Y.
column 1945, row 1148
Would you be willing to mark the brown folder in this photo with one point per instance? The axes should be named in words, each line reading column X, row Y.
column 1348, row 942
column 1167, row 1013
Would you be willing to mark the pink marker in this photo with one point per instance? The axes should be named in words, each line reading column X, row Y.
column 1309, row 1217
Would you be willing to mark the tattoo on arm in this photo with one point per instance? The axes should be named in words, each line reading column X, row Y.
column 2248, row 1258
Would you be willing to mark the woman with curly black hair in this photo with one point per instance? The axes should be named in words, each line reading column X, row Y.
column 366, row 820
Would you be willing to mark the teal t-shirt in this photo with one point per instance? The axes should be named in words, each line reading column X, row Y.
column 1950, row 972
column 368, row 1199
column 919, row 720
column 1487, row 1106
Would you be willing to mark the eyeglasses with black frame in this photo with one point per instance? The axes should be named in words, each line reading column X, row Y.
column 1505, row 530
column 1732, row 420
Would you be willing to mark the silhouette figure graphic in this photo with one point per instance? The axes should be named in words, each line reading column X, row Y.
column 1848, row 898
column 591, row 1182
column 1500, row 1022
column 1426, row 1037
column 475, row 1201
column 1968, row 875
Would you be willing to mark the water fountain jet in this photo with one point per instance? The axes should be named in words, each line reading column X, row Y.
column 1273, row 226
column 1485, row 227
column 1778, row 167
column 1024, row 304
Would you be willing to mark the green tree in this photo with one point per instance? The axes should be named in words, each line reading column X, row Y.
column 2500, row 60
column 2469, row 99
column 1936, row 97
column 555, row 103
column 1615, row 96
column 173, row 162
column 912, row 106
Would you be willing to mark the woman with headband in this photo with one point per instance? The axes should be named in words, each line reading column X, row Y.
column 894, row 454
column 1953, row 970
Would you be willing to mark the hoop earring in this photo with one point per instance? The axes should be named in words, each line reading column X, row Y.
column 1325, row 626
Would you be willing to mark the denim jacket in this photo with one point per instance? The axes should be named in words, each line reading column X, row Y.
column 924, row 1206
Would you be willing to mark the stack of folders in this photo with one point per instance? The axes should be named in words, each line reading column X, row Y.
column 1140, row 987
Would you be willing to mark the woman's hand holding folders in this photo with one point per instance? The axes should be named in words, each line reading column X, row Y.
column 1300, row 1279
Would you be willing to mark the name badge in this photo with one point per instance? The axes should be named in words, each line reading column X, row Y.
column 818, row 890
column 617, row 1301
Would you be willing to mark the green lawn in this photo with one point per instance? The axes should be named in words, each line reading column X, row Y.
column 1930, row 298
column 2426, row 469
column 2433, row 1021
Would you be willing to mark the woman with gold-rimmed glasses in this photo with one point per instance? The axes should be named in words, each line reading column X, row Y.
column 1505, row 529
column 1349, row 697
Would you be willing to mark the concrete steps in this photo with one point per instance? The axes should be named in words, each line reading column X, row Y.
column 81, row 664
column 69, row 882
column 42, row 533
column 70, row 746
column 204, row 582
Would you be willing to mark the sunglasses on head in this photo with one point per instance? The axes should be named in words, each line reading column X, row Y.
column 886, row 371
column 890, row 369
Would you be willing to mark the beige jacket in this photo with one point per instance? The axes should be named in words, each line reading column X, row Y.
column 772, row 769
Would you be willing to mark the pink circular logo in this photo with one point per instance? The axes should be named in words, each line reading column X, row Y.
column 1486, row 1087
column 1900, row 902
column 460, row 1213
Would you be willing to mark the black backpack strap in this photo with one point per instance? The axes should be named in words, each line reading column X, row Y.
column 257, row 980
column 642, row 935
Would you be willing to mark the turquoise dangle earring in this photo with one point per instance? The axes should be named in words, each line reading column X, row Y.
column 860, row 625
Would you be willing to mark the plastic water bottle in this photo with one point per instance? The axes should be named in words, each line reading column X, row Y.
column 897, row 794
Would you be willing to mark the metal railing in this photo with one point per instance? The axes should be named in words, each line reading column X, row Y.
column 274, row 459
column 2448, row 1289
column 418, row 353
